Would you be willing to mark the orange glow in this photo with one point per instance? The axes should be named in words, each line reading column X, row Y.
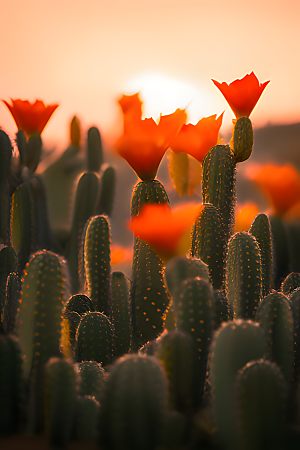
column 245, row 216
column 166, row 231
column 242, row 95
column 144, row 142
column 280, row 184
column 30, row 117
column 197, row 140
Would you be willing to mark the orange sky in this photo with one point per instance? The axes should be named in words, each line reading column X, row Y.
column 84, row 53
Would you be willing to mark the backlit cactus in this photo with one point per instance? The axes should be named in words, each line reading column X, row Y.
column 242, row 139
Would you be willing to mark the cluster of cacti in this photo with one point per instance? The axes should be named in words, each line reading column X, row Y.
column 197, row 352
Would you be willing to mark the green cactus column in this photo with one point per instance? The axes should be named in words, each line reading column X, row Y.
column 133, row 405
column 276, row 319
column 193, row 312
column 261, row 407
column 149, row 297
column 120, row 312
column 208, row 243
column 96, row 241
column 234, row 345
column 218, row 186
column 243, row 275
column 5, row 160
column 44, row 292
column 261, row 230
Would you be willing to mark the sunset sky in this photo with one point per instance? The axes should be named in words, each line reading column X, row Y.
column 85, row 54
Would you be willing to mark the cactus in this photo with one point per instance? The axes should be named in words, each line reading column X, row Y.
column 193, row 312
column 8, row 264
column 79, row 303
column 108, row 182
column 243, row 275
column 147, row 192
column 178, row 355
column 218, row 186
column 10, row 385
column 92, row 379
column 294, row 301
column 86, row 419
column 181, row 268
column 261, row 404
column 208, row 243
column 242, row 139
column 13, row 289
column 44, row 291
column 60, row 401
column 97, row 263
column 94, row 339
column 85, row 203
column 133, row 404
column 120, row 286
column 222, row 310
column 5, row 160
column 281, row 253
column 275, row 317
column 94, row 150
column 291, row 282
column 234, row 345
column 261, row 230
column 22, row 223
column 33, row 152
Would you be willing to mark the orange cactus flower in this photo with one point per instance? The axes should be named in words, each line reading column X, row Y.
column 30, row 117
column 166, row 231
column 245, row 215
column 131, row 106
column 242, row 95
column 280, row 184
column 197, row 140
column 144, row 142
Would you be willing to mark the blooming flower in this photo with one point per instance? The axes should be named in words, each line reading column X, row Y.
column 197, row 140
column 166, row 231
column 131, row 106
column 280, row 184
column 144, row 142
column 30, row 117
column 242, row 95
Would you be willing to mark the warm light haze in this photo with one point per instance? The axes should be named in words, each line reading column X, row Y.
column 84, row 55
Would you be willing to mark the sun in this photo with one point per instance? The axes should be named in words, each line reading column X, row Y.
column 163, row 94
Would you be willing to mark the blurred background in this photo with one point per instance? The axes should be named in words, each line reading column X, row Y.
column 85, row 54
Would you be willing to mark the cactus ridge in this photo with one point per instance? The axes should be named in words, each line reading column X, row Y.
column 218, row 186
column 97, row 263
column 94, row 339
column 208, row 243
column 242, row 139
column 261, row 398
column 294, row 300
column 133, row 404
column 243, row 275
column 120, row 286
column 10, row 310
column 276, row 319
column 261, row 230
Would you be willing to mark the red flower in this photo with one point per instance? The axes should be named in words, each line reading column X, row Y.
column 166, row 231
column 242, row 95
column 30, row 117
column 144, row 142
column 280, row 184
column 197, row 140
